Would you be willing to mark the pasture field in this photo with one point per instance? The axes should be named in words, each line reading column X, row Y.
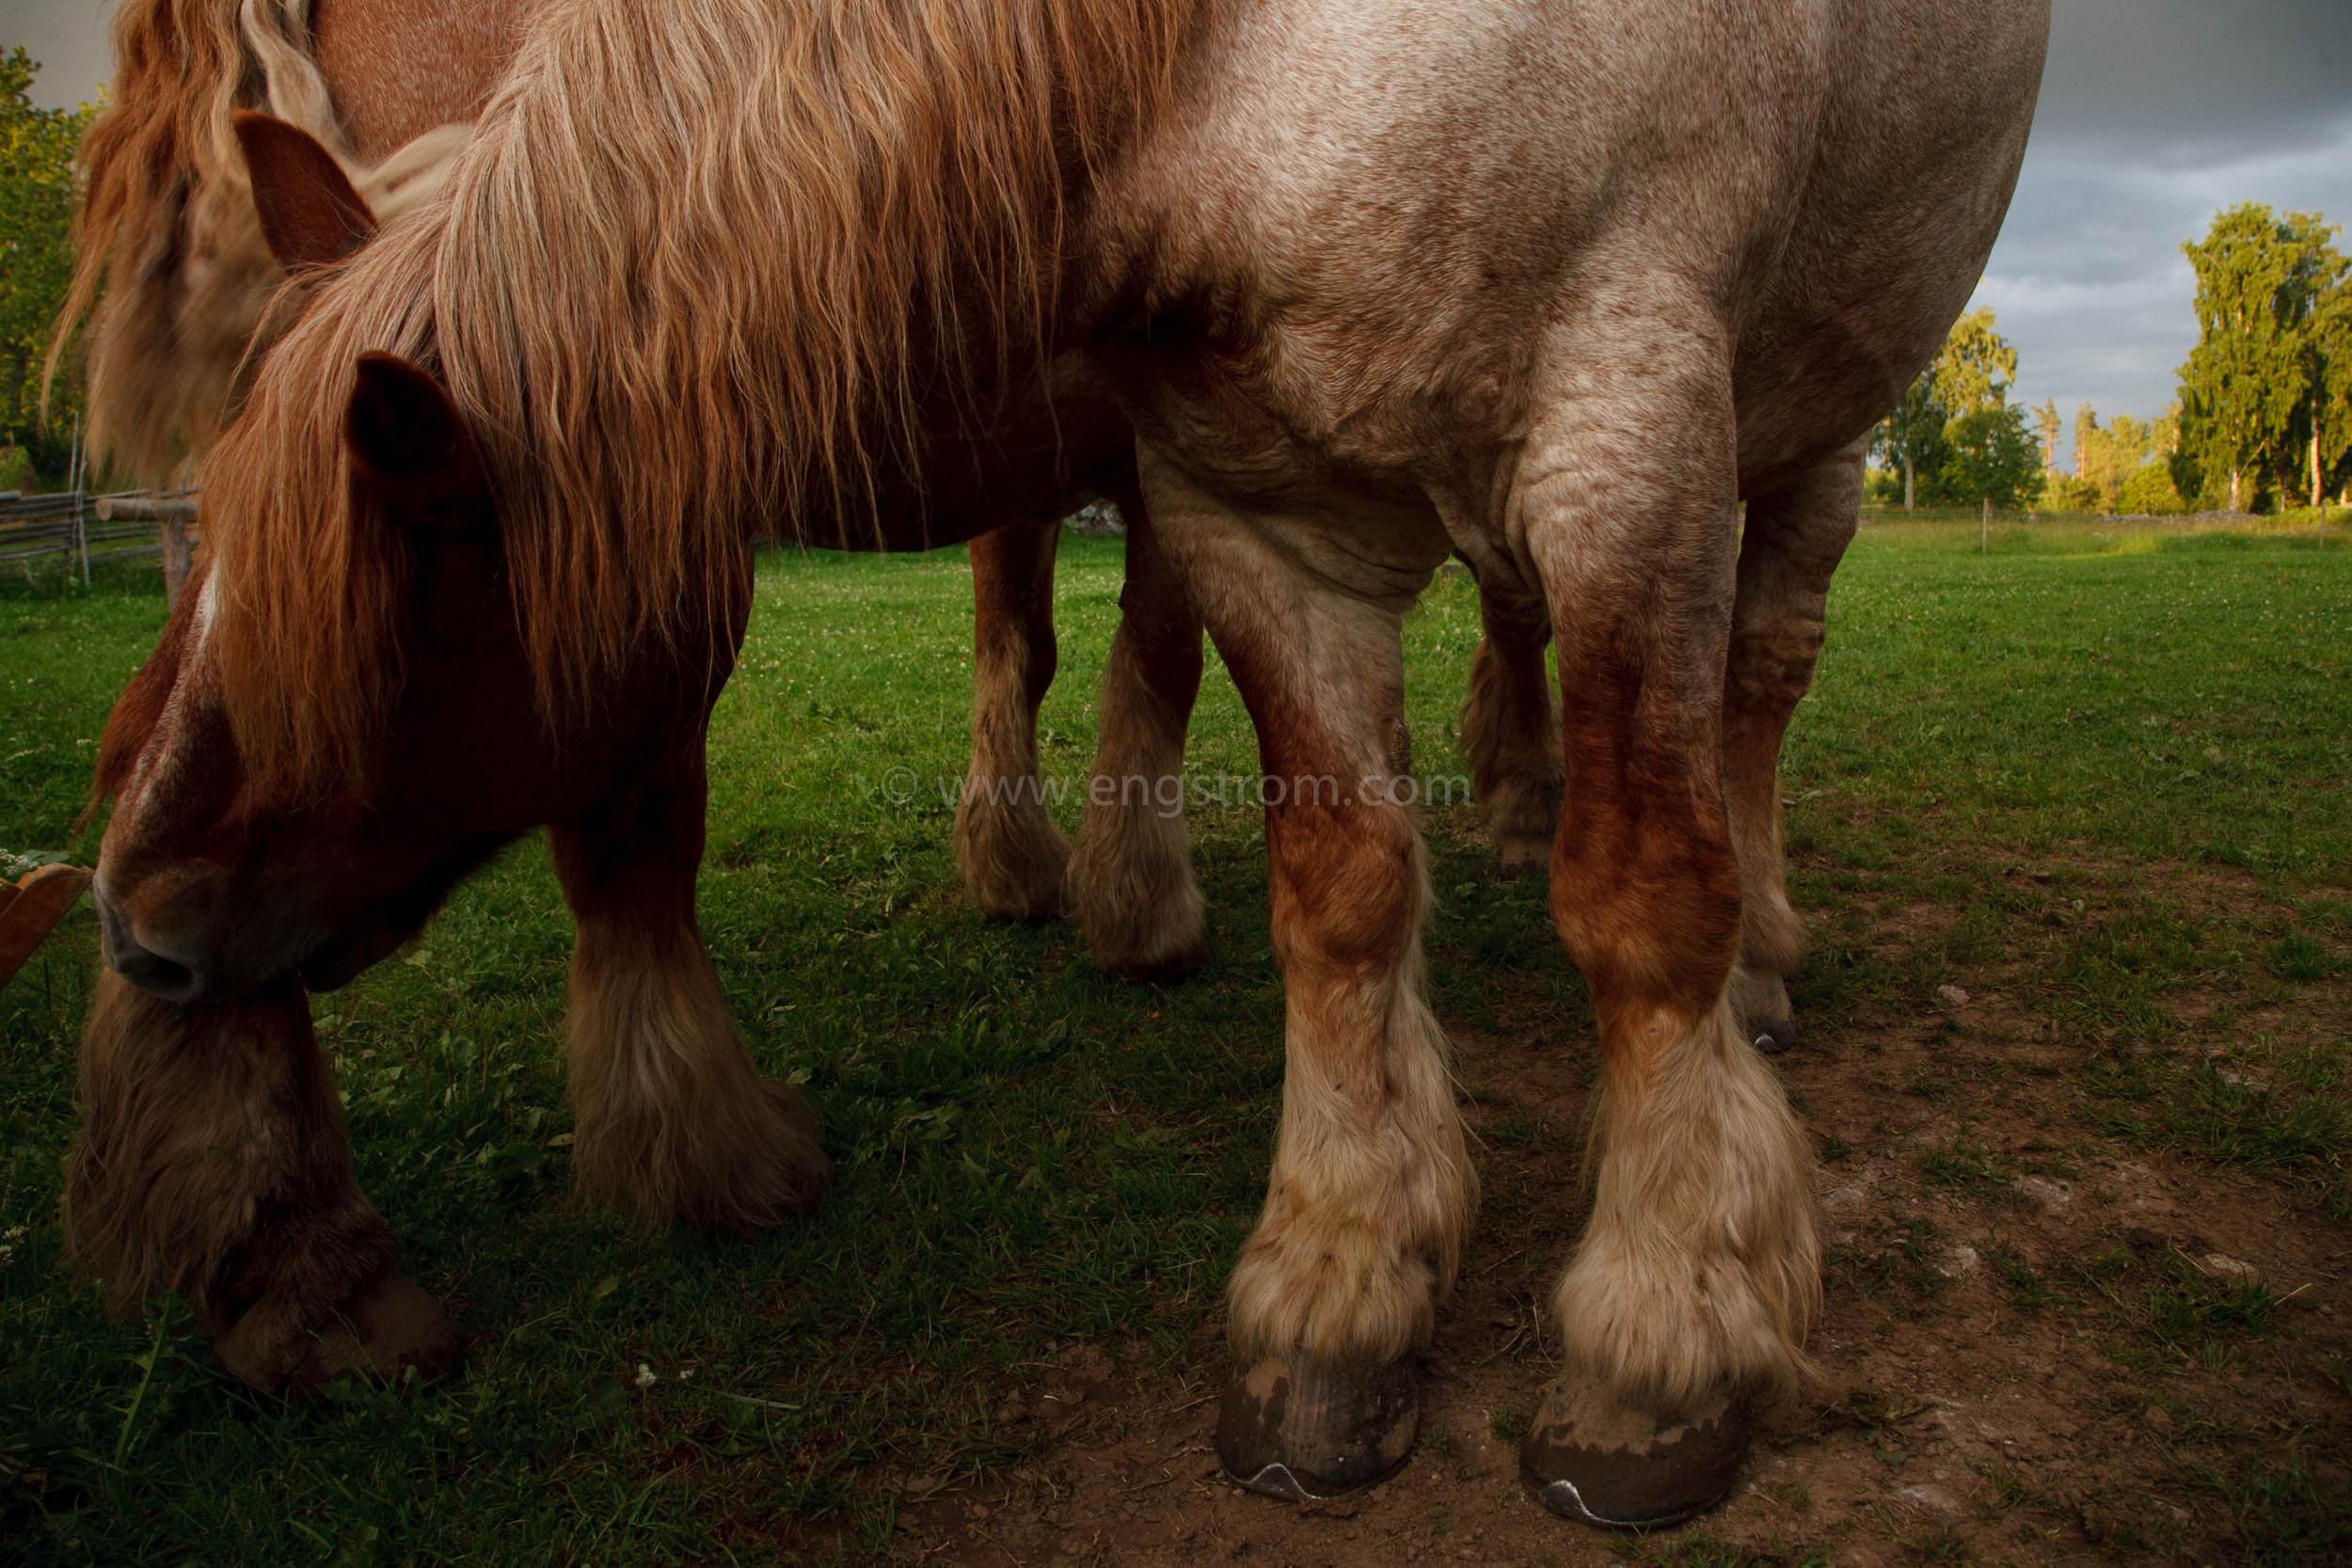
column 2070, row 820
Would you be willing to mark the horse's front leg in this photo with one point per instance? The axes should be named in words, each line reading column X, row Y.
column 1794, row 538
column 1014, row 860
column 1689, row 1298
column 1510, row 729
column 671, row 1120
column 1372, row 1190
column 1138, row 902
column 214, row 1161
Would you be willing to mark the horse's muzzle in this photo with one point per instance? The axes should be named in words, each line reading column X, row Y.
column 157, row 973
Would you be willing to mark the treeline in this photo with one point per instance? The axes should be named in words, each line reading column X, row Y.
column 2263, row 422
column 37, row 193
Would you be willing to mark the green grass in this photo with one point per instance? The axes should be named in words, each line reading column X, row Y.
column 1032, row 1153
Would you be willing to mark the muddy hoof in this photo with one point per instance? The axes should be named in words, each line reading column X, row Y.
column 1309, row 1436
column 1771, row 1035
column 1594, row 1461
column 377, row 1333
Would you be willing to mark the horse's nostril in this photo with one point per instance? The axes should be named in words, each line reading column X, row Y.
column 157, row 975
column 150, row 972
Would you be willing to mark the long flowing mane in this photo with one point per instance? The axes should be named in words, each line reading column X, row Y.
column 699, row 263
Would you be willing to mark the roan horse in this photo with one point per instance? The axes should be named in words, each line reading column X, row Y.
column 193, row 294
column 1555, row 285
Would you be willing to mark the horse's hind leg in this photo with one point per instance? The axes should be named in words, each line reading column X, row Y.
column 1141, row 911
column 670, row 1118
column 1371, row 1191
column 1691, row 1293
column 1511, row 730
column 214, row 1160
column 1795, row 537
column 1014, row 860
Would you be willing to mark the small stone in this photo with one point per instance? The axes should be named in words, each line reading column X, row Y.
column 2157, row 1418
column 1934, row 1498
column 1959, row 1261
column 1952, row 996
column 2217, row 1265
column 917, row 1486
column 2054, row 1196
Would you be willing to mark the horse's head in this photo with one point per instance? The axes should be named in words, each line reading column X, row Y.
column 342, row 718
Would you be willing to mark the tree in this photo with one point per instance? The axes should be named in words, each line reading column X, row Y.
column 1954, row 436
column 36, row 192
column 1993, row 458
column 2252, row 387
column 2046, row 418
column 2124, row 467
column 2332, row 415
column 1974, row 372
column 1912, row 436
column 1988, row 454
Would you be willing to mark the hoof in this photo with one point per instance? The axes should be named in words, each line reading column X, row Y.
column 1189, row 959
column 377, row 1333
column 1526, row 860
column 1759, row 999
column 1308, row 1435
column 806, row 1169
column 1598, row 1462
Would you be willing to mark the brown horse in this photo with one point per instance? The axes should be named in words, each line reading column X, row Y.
column 389, row 92
column 1557, row 287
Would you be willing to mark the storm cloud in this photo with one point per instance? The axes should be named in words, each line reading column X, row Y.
column 2155, row 115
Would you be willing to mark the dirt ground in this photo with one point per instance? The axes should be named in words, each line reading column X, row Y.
column 1951, row 1420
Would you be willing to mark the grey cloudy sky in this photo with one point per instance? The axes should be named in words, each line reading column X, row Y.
column 2155, row 115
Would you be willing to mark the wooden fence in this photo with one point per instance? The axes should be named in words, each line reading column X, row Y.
column 72, row 529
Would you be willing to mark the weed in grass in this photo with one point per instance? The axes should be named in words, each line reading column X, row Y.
column 1508, row 1424
column 1966, row 1167
column 2030, row 1292
column 1898, row 1268
column 2285, row 1515
column 2170, row 1317
column 1700, row 1549
column 2234, row 1118
column 2300, row 959
column 1939, row 1547
column 1517, row 1132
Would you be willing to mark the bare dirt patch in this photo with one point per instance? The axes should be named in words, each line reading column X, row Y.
column 2037, row 1346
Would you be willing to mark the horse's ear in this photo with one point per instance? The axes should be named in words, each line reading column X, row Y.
column 309, row 214
column 409, row 445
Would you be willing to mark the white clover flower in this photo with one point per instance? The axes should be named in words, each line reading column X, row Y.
column 647, row 1376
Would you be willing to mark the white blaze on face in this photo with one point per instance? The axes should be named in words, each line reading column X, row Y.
column 207, row 600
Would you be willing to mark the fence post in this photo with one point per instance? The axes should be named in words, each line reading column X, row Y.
column 176, row 554
column 76, row 471
column 1984, row 529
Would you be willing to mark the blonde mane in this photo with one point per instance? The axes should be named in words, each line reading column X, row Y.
column 696, row 266
column 167, row 227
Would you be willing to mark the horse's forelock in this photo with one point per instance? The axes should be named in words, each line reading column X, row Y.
column 310, row 583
